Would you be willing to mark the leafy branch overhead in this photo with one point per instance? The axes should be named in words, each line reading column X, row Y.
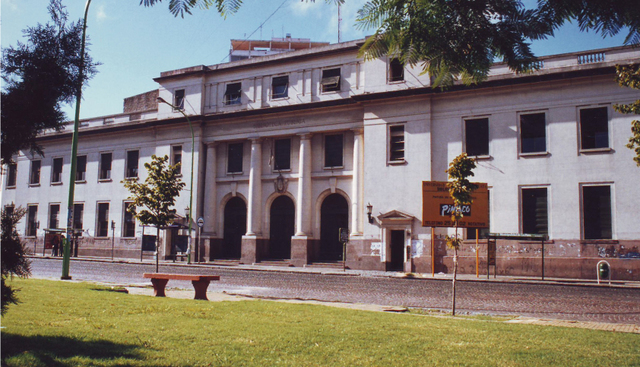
column 157, row 194
column 461, row 39
column 629, row 76
column 224, row 7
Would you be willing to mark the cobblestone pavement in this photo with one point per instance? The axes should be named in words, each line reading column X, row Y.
column 600, row 304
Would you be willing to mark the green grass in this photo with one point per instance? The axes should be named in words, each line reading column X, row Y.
column 72, row 324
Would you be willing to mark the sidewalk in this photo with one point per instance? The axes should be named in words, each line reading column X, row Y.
column 369, row 273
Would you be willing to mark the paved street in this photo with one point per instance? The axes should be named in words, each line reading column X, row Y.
column 567, row 302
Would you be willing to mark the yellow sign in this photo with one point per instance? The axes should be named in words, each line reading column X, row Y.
column 437, row 207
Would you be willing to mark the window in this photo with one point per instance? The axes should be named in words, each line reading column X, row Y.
column 477, row 137
column 282, row 154
column 535, row 219
column 81, row 168
column 178, row 99
column 330, row 80
column 12, row 174
column 54, row 215
column 333, row 149
column 102, row 226
column 34, row 175
column 176, row 158
column 132, row 164
column 105, row 166
column 396, row 70
column 280, row 87
column 596, row 206
column 233, row 94
column 56, row 170
column 533, row 137
column 78, row 213
column 32, row 220
column 129, row 222
column 234, row 157
column 594, row 128
column 396, row 143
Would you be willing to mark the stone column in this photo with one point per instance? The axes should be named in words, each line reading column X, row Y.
column 356, row 183
column 303, row 209
column 254, row 210
column 210, row 191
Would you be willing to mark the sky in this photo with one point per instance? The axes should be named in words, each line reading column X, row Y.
column 135, row 44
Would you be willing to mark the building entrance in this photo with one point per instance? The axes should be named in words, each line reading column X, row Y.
column 334, row 214
column 235, row 226
column 396, row 261
column 282, row 228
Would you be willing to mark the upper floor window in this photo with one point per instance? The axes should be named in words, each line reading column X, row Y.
column 102, row 224
column 32, row 220
column 594, row 128
column 34, row 175
column 176, row 157
column 233, row 94
column 396, row 70
column 56, row 170
column 81, row 168
column 54, row 216
column 533, row 133
column 132, row 164
column 234, row 157
column 105, row 166
column 396, row 143
column 280, row 87
column 333, row 150
column 535, row 218
column 477, row 136
column 129, row 222
column 178, row 99
column 12, row 174
column 596, row 212
column 282, row 154
column 330, row 80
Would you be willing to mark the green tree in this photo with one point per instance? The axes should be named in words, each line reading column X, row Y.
column 13, row 258
column 156, row 195
column 39, row 76
column 629, row 76
column 460, row 40
column 460, row 190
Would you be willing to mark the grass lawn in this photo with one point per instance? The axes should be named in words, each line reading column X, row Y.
column 74, row 324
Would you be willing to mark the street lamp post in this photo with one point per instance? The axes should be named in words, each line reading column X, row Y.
column 181, row 110
column 74, row 152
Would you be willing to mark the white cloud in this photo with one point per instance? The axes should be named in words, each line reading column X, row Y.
column 11, row 4
column 101, row 15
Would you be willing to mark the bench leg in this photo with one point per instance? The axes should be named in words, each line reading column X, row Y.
column 201, row 289
column 158, row 287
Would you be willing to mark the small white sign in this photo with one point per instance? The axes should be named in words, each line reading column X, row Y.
column 200, row 222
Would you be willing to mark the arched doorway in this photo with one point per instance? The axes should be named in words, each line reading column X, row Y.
column 235, row 226
column 282, row 228
column 334, row 214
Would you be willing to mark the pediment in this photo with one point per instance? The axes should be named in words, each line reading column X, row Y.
column 395, row 216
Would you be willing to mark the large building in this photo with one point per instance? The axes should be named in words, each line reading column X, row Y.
column 291, row 146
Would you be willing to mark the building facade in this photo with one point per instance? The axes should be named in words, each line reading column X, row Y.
column 290, row 147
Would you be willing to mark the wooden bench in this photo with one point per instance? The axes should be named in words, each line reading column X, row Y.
column 200, row 282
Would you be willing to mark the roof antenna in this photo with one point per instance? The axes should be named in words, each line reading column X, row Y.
column 339, row 21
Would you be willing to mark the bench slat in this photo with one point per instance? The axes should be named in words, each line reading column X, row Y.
column 181, row 276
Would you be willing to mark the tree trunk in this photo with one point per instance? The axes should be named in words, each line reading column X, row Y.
column 157, row 248
column 455, row 273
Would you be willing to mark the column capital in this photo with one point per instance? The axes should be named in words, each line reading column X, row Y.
column 212, row 144
column 305, row 136
column 358, row 130
column 255, row 140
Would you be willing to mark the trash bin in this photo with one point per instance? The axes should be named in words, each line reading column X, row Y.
column 603, row 269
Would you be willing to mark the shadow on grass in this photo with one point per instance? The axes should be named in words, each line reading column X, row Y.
column 53, row 350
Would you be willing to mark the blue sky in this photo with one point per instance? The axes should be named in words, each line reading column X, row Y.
column 134, row 43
